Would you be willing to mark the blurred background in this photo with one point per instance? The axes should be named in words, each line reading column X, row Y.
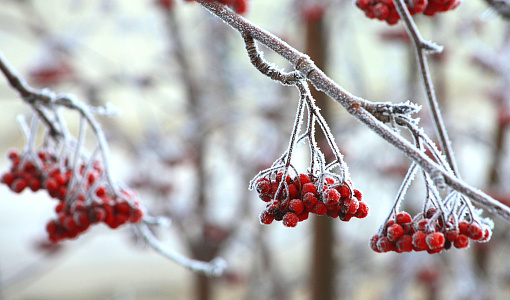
column 198, row 122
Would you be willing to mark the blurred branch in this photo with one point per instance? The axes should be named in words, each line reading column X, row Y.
column 502, row 7
column 214, row 268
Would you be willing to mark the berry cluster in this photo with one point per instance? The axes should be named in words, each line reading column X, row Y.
column 385, row 10
column 239, row 6
column 430, row 233
column 301, row 196
column 82, row 201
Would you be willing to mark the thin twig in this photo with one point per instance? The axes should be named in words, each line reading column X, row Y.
column 423, row 47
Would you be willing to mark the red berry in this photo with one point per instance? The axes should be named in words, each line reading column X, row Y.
column 461, row 242
column 357, row 194
column 293, row 191
column 290, row 219
column 487, row 234
column 320, row 209
column 405, row 243
column 263, row 186
column 51, row 227
column 8, row 178
column 331, row 196
column 266, row 218
column 97, row 214
column 385, row 245
column 303, row 215
column 344, row 190
column 373, row 243
column 304, row 179
column 362, row 211
column 296, row 205
column 435, row 240
column 463, row 226
column 122, row 207
column 18, row 185
column 135, row 215
column 51, row 184
column 100, row 191
column 423, row 225
column 394, row 232
column 452, row 235
column 475, row 231
column 403, row 218
column 350, row 206
column 309, row 188
column 34, row 184
column 419, row 241
column 309, row 200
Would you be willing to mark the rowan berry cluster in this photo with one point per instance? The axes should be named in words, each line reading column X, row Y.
column 239, row 6
column 84, row 198
column 302, row 195
column 385, row 10
column 427, row 232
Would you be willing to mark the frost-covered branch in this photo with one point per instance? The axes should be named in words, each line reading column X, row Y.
column 353, row 104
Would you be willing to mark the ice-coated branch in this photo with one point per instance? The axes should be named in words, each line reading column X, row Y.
column 422, row 47
column 354, row 105
column 214, row 268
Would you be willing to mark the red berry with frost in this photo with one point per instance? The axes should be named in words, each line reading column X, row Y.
column 404, row 243
column 263, row 186
column 304, row 179
column 403, row 218
column 487, row 234
column 419, row 241
column 452, row 234
column 362, row 211
column 320, row 209
column 474, row 231
column 344, row 190
column 394, row 232
column 309, row 200
column 290, row 219
column 309, row 188
column 435, row 240
column 385, row 245
column 350, row 206
column 330, row 196
column 296, row 205
column 463, row 226
column 266, row 218
column 373, row 243
column 292, row 191
column 303, row 215
column 357, row 194
column 461, row 242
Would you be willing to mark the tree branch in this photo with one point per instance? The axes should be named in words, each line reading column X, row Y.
column 354, row 105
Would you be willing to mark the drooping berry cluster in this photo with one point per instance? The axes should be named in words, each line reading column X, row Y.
column 301, row 196
column 429, row 233
column 239, row 6
column 83, row 201
column 385, row 10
